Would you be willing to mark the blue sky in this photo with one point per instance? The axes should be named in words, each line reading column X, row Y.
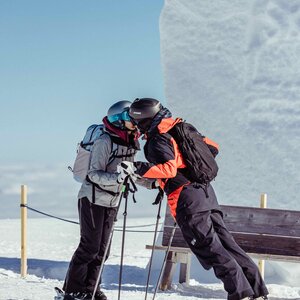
column 63, row 63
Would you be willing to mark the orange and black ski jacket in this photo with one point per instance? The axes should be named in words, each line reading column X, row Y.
column 164, row 160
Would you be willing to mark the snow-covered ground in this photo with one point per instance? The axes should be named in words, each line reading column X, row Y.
column 51, row 244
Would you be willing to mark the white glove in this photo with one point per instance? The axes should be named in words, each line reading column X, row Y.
column 126, row 168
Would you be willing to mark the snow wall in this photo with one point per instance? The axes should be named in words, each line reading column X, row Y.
column 232, row 68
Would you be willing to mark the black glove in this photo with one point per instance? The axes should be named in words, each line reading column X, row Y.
column 154, row 185
column 159, row 196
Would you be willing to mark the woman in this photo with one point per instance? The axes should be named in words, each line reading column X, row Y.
column 98, row 200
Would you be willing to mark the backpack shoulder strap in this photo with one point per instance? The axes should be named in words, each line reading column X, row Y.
column 113, row 148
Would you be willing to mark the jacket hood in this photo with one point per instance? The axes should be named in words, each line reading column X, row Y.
column 164, row 113
column 167, row 124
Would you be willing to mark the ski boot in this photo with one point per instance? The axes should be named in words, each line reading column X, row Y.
column 100, row 295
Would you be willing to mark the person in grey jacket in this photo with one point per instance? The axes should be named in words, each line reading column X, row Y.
column 98, row 200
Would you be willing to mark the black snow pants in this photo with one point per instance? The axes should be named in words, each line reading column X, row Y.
column 95, row 226
column 214, row 247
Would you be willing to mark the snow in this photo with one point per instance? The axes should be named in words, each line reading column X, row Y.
column 51, row 244
column 232, row 68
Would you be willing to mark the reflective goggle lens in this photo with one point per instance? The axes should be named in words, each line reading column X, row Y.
column 125, row 116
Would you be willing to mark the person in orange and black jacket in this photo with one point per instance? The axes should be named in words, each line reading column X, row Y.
column 194, row 206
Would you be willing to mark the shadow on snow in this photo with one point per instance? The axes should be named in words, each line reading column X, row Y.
column 134, row 278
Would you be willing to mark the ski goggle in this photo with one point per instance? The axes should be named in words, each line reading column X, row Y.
column 134, row 121
column 143, row 124
column 124, row 116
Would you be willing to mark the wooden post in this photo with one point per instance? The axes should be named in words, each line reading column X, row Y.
column 261, row 262
column 23, row 231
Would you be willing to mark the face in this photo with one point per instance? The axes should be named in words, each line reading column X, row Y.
column 129, row 125
column 143, row 125
column 127, row 121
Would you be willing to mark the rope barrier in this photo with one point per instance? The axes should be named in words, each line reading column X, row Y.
column 142, row 231
column 48, row 215
column 77, row 223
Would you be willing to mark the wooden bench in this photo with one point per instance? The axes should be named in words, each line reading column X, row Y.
column 262, row 232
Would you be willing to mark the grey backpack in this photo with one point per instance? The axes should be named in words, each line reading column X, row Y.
column 83, row 157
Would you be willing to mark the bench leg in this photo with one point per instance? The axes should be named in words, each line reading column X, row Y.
column 184, row 274
column 169, row 270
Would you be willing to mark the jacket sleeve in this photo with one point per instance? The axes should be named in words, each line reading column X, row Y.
column 146, row 182
column 100, row 155
column 162, row 156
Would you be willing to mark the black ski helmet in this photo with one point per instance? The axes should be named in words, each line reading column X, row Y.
column 118, row 113
column 142, row 111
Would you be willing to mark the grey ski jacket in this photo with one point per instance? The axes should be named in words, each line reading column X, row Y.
column 105, row 157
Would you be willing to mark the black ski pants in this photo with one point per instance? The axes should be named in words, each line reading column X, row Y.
column 95, row 226
column 214, row 247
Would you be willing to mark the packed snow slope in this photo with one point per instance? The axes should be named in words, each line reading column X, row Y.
column 51, row 244
column 232, row 68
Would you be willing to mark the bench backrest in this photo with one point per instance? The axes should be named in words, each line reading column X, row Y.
column 257, row 230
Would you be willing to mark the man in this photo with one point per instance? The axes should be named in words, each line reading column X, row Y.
column 193, row 205
column 98, row 200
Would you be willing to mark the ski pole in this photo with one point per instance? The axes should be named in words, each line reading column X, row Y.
column 165, row 260
column 153, row 245
column 108, row 241
column 123, row 238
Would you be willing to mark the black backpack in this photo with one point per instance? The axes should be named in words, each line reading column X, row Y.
column 198, row 156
